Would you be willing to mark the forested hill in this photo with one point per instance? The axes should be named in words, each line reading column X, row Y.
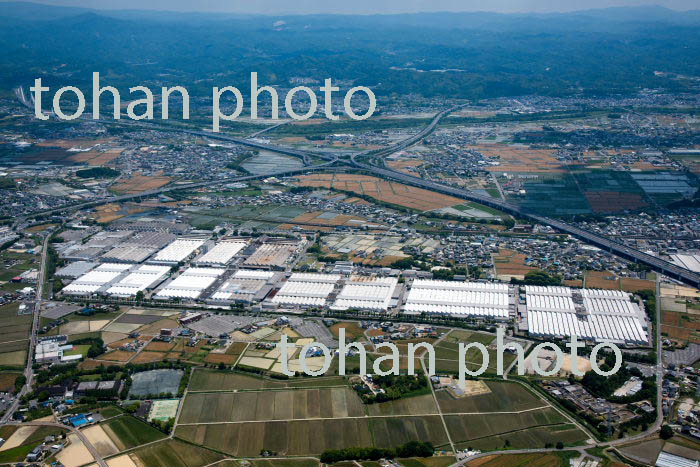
column 467, row 55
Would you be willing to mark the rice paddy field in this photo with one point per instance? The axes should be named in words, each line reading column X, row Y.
column 170, row 453
column 242, row 415
column 14, row 333
column 388, row 192
column 447, row 352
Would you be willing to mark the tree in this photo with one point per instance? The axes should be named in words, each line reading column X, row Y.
column 560, row 445
column 666, row 432
column 139, row 296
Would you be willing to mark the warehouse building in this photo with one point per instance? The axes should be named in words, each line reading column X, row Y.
column 95, row 280
column 372, row 293
column 76, row 269
column 178, row 250
column 144, row 277
column 222, row 253
column 246, row 285
column 590, row 314
column 272, row 255
column 460, row 299
column 190, row 284
column 306, row 289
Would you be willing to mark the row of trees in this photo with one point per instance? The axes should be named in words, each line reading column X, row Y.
column 410, row 449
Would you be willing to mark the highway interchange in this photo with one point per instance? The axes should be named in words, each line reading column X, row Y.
column 356, row 161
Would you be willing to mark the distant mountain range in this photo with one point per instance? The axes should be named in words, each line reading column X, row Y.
column 614, row 50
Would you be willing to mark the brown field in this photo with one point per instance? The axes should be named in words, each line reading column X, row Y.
column 97, row 158
column 602, row 201
column 138, row 183
column 518, row 159
column 236, row 348
column 602, row 280
column 113, row 211
column 40, row 227
column 352, row 330
column 511, row 263
column 682, row 327
column 148, row 357
column 7, row 381
column 388, row 192
column 221, row 358
column 117, row 356
column 159, row 346
column 635, row 285
column 507, row 460
column 91, row 364
column 153, row 329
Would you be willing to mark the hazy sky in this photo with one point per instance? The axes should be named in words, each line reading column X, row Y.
column 278, row 7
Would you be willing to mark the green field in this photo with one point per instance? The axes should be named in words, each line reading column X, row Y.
column 303, row 437
column 14, row 331
column 249, row 414
column 504, row 397
column 213, row 380
column 174, row 453
column 133, row 432
column 14, row 264
column 447, row 352
column 419, row 405
column 294, row 404
column 17, row 454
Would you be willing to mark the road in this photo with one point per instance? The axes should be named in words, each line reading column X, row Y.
column 657, row 264
column 665, row 267
column 28, row 370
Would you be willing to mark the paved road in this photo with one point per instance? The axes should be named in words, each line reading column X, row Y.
column 28, row 370
column 665, row 267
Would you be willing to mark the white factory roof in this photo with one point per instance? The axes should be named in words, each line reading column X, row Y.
column 459, row 299
column 75, row 269
column 553, row 291
column 313, row 277
column 691, row 262
column 243, row 284
column 366, row 293
column 622, row 329
column 458, row 311
column 222, row 252
column 306, row 289
column 191, row 283
column 550, row 303
column 141, row 278
column 117, row 267
column 454, row 285
column 93, row 281
column 253, row 274
column 178, row 250
column 589, row 314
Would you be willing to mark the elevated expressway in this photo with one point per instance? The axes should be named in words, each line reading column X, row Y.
column 372, row 162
